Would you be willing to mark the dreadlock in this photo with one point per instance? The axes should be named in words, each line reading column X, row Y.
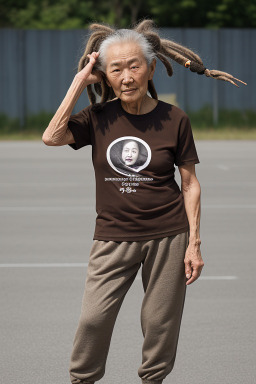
column 161, row 48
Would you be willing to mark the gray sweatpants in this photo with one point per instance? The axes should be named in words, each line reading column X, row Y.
column 111, row 270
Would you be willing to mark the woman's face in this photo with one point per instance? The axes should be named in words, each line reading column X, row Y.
column 127, row 71
column 130, row 153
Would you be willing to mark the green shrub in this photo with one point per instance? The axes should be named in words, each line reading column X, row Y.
column 231, row 124
column 33, row 123
column 228, row 118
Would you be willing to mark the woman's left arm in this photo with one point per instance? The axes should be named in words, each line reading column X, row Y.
column 191, row 191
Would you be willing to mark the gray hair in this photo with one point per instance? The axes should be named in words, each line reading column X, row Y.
column 125, row 35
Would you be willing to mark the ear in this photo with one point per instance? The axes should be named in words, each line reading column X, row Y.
column 106, row 79
column 152, row 69
column 108, row 83
column 103, row 74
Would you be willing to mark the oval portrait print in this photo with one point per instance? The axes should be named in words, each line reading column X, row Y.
column 128, row 155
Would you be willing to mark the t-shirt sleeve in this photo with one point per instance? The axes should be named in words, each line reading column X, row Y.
column 79, row 125
column 186, row 150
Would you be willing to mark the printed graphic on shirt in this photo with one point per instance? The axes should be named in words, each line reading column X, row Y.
column 128, row 155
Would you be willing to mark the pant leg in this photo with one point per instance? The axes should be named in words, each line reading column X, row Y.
column 164, row 283
column 111, row 270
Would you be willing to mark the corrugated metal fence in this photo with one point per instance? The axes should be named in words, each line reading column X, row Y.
column 37, row 68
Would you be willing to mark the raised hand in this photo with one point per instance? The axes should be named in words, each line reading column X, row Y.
column 88, row 73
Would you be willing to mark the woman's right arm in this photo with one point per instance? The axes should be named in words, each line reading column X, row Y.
column 57, row 132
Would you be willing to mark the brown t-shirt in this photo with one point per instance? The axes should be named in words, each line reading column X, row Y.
column 137, row 197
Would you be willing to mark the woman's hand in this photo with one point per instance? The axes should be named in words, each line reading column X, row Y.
column 193, row 263
column 89, row 75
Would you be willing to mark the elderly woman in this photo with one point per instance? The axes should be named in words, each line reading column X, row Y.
column 145, row 221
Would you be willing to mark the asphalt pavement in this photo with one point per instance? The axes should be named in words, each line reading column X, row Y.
column 47, row 216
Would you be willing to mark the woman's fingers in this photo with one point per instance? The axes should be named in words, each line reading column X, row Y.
column 88, row 73
column 193, row 264
column 188, row 269
column 195, row 274
column 93, row 57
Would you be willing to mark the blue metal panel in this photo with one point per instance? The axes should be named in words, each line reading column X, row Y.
column 37, row 68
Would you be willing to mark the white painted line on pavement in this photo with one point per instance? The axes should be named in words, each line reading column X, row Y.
column 45, row 184
column 242, row 206
column 209, row 278
column 84, row 184
column 223, row 167
column 43, row 265
column 218, row 277
column 64, row 209
column 48, row 208
column 228, row 183
column 70, row 265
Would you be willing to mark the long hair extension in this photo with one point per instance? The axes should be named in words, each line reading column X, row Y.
column 161, row 48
